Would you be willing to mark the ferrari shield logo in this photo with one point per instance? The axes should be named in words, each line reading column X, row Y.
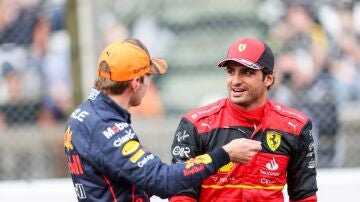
column 242, row 47
column 273, row 140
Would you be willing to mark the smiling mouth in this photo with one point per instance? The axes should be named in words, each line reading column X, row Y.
column 238, row 89
column 237, row 92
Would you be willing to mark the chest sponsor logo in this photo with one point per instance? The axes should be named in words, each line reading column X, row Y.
column 312, row 164
column 310, row 154
column 311, row 146
column 292, row 125
column 130, row 147
column 117, row 127
column 205, row 125
column 181, row 151
column 181, row 136
column 269, row 172
column 225, row 179
column 310, row 133
column 67, row 139
column 267, row 181
column 80, row 191
column 273, row 140
column 226, row 168
column 79, row 115
column 272, row 165
column 121, row 140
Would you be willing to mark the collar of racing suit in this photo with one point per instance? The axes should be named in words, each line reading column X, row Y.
column 107, row 104
column 252, row 117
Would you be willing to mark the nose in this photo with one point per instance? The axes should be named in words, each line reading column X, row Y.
column 236, row 79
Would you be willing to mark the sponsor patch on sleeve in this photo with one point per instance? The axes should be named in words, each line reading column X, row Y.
column 196, row 164
column 202, row 159
column 130, row 147
column 134, row 158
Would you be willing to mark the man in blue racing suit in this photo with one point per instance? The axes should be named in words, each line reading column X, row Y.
column 105, row 158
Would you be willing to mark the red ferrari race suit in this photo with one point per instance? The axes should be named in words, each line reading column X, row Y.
column 287, row 154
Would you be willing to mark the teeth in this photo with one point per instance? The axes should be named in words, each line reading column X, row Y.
column 238, row 89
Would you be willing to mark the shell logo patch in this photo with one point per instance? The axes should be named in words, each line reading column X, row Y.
column 203, row 159
column 273, row 140
column 130, row 147
column 226, row 168
column 67, row 139
column 242, row 47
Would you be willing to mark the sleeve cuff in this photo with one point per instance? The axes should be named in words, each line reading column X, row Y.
column 220, row 158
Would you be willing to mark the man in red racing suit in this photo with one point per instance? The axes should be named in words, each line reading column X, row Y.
column 287, row 155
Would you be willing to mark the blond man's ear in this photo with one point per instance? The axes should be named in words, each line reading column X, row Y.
column 135, row 84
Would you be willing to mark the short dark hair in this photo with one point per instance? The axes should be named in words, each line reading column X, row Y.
column 267, row 71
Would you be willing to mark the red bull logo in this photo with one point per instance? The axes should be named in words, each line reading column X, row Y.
column 67, row 139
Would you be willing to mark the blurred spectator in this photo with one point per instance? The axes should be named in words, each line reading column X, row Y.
column 16, row 107
column 35, row 45
column 22, row 41
column 344, row 57
column 304, row 80
column 56, row 72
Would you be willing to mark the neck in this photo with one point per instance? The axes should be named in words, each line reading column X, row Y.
column 121, row 100
column 252, row 106
column 255, row 115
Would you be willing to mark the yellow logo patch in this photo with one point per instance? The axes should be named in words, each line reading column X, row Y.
column 205, row 159
column 273, row 140
column 130, row 147
column 67, row 139
column 226, row 168
column 137, row 155
column 242, row 47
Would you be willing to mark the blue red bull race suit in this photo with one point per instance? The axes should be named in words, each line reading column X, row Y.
column 107, row 162
column 287, row 155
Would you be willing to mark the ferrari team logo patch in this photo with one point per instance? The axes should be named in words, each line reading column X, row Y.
column 273, row 140
column 242, row 47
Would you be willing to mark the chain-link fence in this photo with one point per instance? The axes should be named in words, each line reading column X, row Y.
column 35, row 88
column 317, row 51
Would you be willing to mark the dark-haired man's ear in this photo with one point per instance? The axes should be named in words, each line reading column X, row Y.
column 269, row 80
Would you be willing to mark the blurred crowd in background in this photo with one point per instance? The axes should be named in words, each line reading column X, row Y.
column 35, row 82
column 316, row 44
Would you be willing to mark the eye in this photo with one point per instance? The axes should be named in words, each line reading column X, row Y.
column 229, row 71
column 248, row 71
